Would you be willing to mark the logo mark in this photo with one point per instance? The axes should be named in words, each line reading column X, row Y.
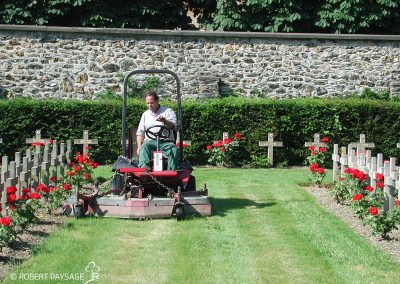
column 93, row 269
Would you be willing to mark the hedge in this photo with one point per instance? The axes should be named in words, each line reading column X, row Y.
column 294, row 121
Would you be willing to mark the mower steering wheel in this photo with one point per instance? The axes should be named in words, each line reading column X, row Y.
column 162, row 134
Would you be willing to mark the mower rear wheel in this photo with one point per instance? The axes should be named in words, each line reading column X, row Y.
column 180, row 213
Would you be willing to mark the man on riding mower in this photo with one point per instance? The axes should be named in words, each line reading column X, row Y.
column 156, row 115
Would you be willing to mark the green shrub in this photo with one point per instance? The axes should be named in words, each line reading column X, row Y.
column 294, row 122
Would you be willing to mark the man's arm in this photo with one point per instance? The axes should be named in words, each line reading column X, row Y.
column 168, row 118
column 168, row 123
column 139, row 141
column 140, row 134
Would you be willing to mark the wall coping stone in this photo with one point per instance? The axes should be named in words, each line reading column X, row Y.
column 190, row 33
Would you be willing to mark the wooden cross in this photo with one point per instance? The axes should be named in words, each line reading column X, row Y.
column 336, row 160
column 38, row 139
column 270, row 144
column 86, row 141
column 362, row 144
column 225, row 135
column 317, row 142
column 187, row 142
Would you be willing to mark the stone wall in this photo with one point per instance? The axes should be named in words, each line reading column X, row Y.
column 60, row 62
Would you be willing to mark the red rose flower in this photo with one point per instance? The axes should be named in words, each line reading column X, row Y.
column 11, row 198
column 373, row 211
column 209, row 147
column 312, row 148
column 219, row 143
column 379, row 177
column 313, row 153
column 24, row 197
column 86, row 176
column 11, row 189
column 77, row 169
column 42, row 187
column 354, row 173
column 341, row 178
column 71, row 164
column 87, row 147
column 322, row 149
column 26, row 190
column 348, row 170
column 380, row 184
column 5, row 221
column 34, row 195
column 325, row 139
column 67, row 186
column 237, row 136
column 227, row 140
column 368, row 188
column 320, row 170
column 313, row 167
column 397, row 202
column 53, row 178
column 361, row 176
column 357, row 197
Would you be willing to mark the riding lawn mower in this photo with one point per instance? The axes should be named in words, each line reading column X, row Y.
column 142, row 192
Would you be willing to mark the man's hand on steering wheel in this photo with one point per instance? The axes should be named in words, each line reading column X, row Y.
column 162, row 134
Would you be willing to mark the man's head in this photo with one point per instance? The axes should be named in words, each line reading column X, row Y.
column 152, row 101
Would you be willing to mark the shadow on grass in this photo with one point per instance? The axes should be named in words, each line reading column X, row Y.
column 220, row 206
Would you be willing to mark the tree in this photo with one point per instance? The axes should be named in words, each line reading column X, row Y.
column 263, row 15
column 360, row 16
column 152, row 14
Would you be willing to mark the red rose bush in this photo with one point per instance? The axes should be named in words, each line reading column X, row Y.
column 222, row 152
column 317, row 161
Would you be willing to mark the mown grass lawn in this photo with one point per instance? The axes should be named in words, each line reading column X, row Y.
column 264, row 229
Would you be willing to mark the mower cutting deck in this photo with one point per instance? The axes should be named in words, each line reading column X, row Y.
column 137, row 193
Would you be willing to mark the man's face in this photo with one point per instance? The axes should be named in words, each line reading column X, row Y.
column 152, row 104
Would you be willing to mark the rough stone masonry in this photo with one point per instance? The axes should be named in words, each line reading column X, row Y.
column 58, row 62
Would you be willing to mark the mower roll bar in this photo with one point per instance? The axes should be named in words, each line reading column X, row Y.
column 124, row 98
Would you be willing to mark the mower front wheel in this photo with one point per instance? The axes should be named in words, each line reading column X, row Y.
column 180, row 213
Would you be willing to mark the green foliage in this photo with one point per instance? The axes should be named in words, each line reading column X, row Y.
column 7, row 231
column 367, row 201
column 259, row 161
column 369, row 94
column 354, row 16
column 226, row 152
column 385, row 222
column 258, row 15
column 329, row 16
column 169, row 14
column 293, row 121
column 318, row 160
column 137, row 90
column 332, row 16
